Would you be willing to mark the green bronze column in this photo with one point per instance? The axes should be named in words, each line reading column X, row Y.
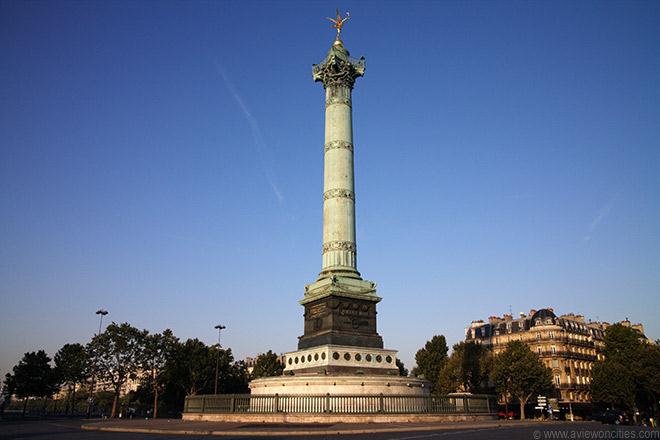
column 340, row 307
column 338, row 73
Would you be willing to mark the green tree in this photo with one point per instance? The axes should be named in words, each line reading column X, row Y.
column 519, row 372
column 116, row 356
column 431, row 359
column 450, row 380
column 403, row 371
column 8, row 386
column 158, row 348
column 267, row 364
column 191, row 370
column 465, row 370
column 34, row 377
column 613, row 385
column 649, row 379
column 622, row 344
column 72, row 368
column 191, row 367
column 629, row 376
column 8, row 389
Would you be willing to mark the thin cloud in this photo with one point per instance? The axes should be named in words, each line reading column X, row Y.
column 260, row 145
column 602, row 213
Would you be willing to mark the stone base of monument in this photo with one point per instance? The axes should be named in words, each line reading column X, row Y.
column 353, row 385
column 330, row 359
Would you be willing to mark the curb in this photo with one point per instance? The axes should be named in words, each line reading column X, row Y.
column 239, row 432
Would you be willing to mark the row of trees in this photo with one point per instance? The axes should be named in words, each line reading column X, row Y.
column 167, row 369
column 628, row 378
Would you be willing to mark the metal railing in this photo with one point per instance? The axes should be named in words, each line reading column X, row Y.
column 568, row 354
column 342, row 404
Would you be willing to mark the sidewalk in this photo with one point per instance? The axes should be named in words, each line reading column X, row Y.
column 180, row 427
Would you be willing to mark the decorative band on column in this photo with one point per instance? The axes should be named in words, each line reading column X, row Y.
column 338, row 192
column 339, row 246
column 338, row 100
column 337, row 144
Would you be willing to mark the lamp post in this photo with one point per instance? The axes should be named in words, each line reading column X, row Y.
column 217, row 358
column 90, row 400
column 102, row 313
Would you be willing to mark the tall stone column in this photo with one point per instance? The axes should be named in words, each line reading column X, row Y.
column 340, row 307
column 338, row 74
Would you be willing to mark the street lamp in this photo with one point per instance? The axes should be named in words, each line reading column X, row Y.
column 92, row 389
column 102, row 313
column 217, row 358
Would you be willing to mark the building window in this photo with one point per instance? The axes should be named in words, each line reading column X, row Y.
column 555, row 363
column 538, row 336
column 553, row 349
column 558, row 380
column 538, row 350
column 551, row 335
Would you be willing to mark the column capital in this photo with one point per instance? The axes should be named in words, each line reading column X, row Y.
column 338, row 68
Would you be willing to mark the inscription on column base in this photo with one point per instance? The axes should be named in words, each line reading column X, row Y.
column 340, row 311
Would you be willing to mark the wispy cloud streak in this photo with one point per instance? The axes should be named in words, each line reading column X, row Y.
column 602, row 213
column 260, row 145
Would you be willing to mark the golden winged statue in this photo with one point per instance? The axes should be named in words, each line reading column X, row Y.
column 339, row 22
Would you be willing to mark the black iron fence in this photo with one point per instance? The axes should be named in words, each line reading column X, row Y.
column 342, row 404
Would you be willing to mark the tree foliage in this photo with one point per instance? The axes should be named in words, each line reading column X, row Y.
column 158, row 348
column 191, row 367
column 466, row 369
column 519, row 373
column 117, row 356
column 72, row 368
column 267, row 365
column 613, row 385
column 431, row 360
column 34, row 377
column 403, row 371
column 190, row 370
column 629, row 376
column 8, row 387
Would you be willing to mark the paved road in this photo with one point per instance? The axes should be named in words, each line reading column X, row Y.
column 64, row 429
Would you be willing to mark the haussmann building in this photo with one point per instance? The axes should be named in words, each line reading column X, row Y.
column 568, row 344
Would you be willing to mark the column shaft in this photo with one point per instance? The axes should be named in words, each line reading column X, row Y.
column 339, row 244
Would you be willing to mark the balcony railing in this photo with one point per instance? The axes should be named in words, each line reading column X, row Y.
column 341, row 404
column 569, row 354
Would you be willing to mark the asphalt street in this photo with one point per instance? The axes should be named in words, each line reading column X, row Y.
column 62, row 429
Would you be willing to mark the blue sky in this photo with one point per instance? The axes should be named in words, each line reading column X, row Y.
column 163, row 160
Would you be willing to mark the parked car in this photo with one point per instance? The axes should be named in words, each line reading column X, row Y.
column 503, row 416
column 615, row 417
